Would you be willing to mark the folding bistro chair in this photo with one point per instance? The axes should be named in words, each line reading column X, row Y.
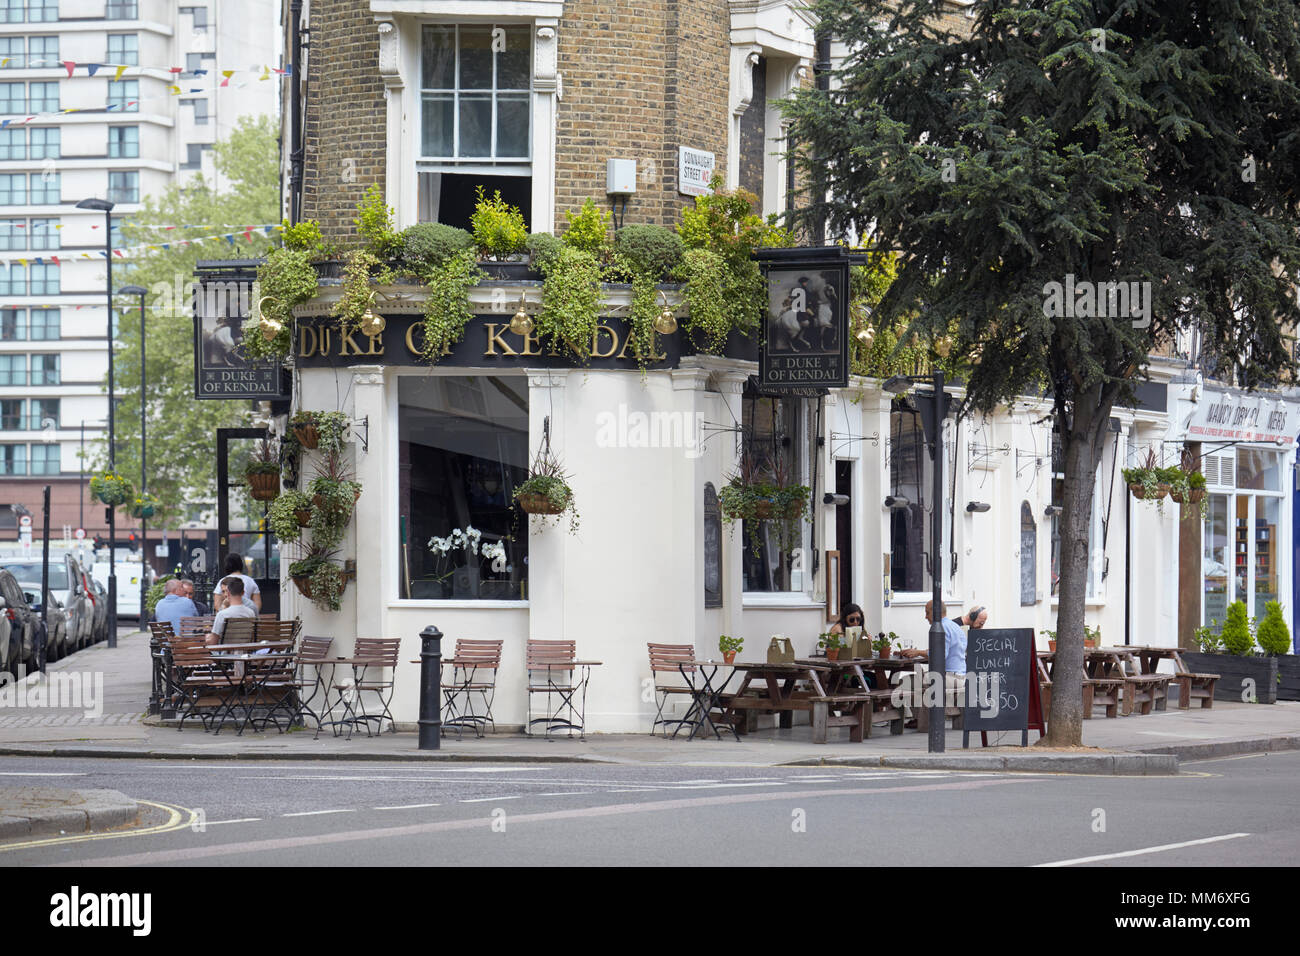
column 196, row 626
column 271, row 681
column 273, row 630
column 202, row 688
column 551, row 671
column 313, row 652
column 239, row 630
column 474, row 671
column 669, row 659
column 383, row 652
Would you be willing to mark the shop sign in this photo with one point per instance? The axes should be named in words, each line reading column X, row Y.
column 221, row 369
column 695, row 167
column 805, row 340
column 1237, row 416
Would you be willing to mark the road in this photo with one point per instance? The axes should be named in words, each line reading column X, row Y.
column 394, row 814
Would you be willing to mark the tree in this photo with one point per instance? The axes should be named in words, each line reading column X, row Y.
column 1058, row 147
column 181, row 438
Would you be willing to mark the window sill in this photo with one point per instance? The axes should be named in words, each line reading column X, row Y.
column 782, row 600
column 453, row 603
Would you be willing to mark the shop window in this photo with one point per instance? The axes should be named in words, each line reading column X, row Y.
column 1258, row 470
column 911, row 477
column 774, row 432
column 463, row 450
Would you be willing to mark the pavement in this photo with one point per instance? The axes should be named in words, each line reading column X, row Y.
column 33, row 811
column 116, row 727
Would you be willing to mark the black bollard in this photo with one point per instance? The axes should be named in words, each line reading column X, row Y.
column 430, row 688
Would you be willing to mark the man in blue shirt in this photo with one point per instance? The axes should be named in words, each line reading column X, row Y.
column 173, row 606
column 954, row 660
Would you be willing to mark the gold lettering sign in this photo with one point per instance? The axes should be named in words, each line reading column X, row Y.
column 494, row 339
column 307, row 334
column 595, row 342
column 346, row 341
column 410, row 338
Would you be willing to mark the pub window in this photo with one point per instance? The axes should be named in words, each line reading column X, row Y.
column 463, row 444
column 476, row 118
column 773, row 433
column 911, row 484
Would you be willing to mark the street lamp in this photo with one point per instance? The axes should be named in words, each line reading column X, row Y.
column 106, row 207
column 933, row 407
column 141, row 291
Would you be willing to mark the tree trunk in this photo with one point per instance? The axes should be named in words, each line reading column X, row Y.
column 1083, row 440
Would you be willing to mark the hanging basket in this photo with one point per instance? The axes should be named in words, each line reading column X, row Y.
column 535, row 504
column 142, row 511
column 264, row 486
column 767, row 508
column 303, row 517
column 1140, row 492
column 303, row 584
column 1193, row 496
column 308, row 436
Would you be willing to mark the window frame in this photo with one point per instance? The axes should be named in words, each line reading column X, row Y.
column 124, row 94
column 129, row 54
column 802, row 451
column 45, row 185
column 117, row 194
column 51, row 138
column 124, row 146
column 46, row 373
column 19, row 456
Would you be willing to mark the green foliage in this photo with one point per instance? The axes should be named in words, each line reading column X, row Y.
column 587, row 229
column 323, row 576
column 375, row 223
column 655, row 250
column 755, row 501
column 265, row 460
column 730, row 645
column 304, row 237
column 181, row 431
column 144, row 505
column 112, row 488
column 282, row 517
column 498, row 227
column 1236, row 635
column 830, row 640
column 1210, row 641
column 331, row 427
column 1196, row 481
column 543, row 250
column 724, row 221
column 446, row 304
column 709, row 317
column 571, row 302
column 361, row 270
column 429, row 245
column 285, row 279
column 1273, row 635
column 546, row 477
column 156, row 592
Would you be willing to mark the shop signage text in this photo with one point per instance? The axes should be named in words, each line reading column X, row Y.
column 805, row 340
column 1249, row 418
column 694, row 170
column 221, row 369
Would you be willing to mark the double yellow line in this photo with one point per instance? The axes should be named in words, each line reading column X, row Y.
column 177, row 818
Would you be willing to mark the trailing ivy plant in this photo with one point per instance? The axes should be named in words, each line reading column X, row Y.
column 547, row 479
column 334, row 495
column 739, row 500
column 284, row 280
column 322, row 577
column 571, row 302
column 710, row 316
column 282, row 518
column 362, row 270
column 446, row 303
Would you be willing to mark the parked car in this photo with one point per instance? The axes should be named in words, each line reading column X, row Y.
column 56, row 625
column 99, row 594
column 69, row 593
column 8, row 643
column 25, row 623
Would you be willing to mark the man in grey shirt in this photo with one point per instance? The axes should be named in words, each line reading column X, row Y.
column 233, row 589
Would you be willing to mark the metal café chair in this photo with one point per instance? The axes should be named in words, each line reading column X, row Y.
column 554, row 671
column 474, row 672
column 382, row 654
column 670, row 659
column 313, row 652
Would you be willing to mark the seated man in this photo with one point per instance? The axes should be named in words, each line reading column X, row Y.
column 954, row 662
column 232, row 590
column 174, row 605
column 975, row 618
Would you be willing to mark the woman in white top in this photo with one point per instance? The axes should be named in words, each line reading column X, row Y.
column 252, row 594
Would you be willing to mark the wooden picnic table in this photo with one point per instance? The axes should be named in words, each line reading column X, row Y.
column 775, row 689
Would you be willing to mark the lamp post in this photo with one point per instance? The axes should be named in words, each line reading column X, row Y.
column 141, row 291
column 937, row 405
column 106, row 207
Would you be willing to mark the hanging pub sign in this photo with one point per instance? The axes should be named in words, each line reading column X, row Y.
column 223, row 298
column 805, row 341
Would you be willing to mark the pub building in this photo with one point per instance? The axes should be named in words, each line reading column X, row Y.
column 440, row 449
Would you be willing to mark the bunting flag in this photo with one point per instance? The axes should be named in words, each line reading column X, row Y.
column 118, row 74
column 70, row 65
column 93, row 68
column 227, row 74
column 127, row 252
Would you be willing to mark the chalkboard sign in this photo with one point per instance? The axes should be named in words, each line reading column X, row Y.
column 1028, row 556
column 999, row 662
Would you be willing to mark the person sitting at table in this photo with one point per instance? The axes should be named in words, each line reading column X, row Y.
column 954, row 659
column 851, row 616
column 975, row 618
column 252, row 594
column 232, row 591
column 174, row 605
column 187, row 591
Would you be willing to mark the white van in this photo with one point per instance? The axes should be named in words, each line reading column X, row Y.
column 128, row 582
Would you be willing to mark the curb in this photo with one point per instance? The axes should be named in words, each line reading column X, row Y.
column 1226, row 748
column 1118, row 764
column 98, row 810
column 299, row 755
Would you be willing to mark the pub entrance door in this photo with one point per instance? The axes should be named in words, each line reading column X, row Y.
column 241, row 521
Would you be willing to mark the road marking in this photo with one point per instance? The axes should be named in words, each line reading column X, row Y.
column 574, row 793
column 34, row 774
column 1150, row 849
column 634, row 790
column 315, row 813
column 1238, row 757
column 217, row 823
column 157, row 857
column 519, row 796
column 174, row 822
column 409, row 806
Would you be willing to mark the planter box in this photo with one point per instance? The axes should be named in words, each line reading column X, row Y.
column 1288, row 668
column 1233, row 671
column 509, row 270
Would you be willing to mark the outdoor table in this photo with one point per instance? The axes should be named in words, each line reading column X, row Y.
column 704, row 696
column 1150, row 657
column 350, row 716
column 245, row 683
column 779, row 681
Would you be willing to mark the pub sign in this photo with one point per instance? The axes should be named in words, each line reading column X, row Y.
column 805, row 341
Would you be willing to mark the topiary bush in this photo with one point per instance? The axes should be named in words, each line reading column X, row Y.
column 543, row 251
column 1273, row 635
column 375, row 223
column 587, row 229
column 1236, row 635
column 655, row 250
column 427, row 245
column 499, row 228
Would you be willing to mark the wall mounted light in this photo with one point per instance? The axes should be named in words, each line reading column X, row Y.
column 833, row 499
column 1051, row 511
column 977, row 506
column 372, row 323
column 270, row 327
column 521, row 322
column 665, row 322
column 896, row 502
column 867, row 336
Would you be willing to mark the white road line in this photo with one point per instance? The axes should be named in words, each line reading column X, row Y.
column 34, row 774
column 1150, row 849
column 315, row 813
column 409, row 806
column 519, row 796
column 571, row 793
column 634, row 790
column 217, row 823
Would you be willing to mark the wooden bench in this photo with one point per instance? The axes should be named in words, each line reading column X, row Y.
column 857, row 711
column 1102, row 690
column 1146, row 692
column 1195, row 686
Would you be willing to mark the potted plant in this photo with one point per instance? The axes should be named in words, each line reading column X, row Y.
column 1051, row 639
column 262, row 473
column 546, row 491
column 319, row 579
column 884, row 644
column 500, row 234
column 333, row 491
column 1144, row 481
column 289, row 514
column 144, row 505
column 749, row 497
column 729, row 646
column 111, row 488
column 833, row 644
column 324, row 430
column 1092, row 636
column 1243, row 675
